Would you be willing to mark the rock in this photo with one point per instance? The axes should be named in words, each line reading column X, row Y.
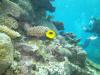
column 93, row 65
column 65, row 52
column 78, row 56
column 6, row 52
column 81, row 56
column 24, row 47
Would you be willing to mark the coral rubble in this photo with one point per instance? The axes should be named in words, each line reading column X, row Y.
column 23, row 54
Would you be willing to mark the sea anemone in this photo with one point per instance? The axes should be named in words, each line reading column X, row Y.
column 50, row 34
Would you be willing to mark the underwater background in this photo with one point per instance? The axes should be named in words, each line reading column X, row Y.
column 76, row 14
column 49, row 37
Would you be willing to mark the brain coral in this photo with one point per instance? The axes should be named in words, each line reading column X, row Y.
column 37, row 31
column 9, row 22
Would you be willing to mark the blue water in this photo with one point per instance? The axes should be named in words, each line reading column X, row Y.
column 76, row 14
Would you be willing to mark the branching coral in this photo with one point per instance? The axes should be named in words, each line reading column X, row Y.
column 13, row 34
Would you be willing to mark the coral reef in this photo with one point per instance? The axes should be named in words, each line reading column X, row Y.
column 9, row 22
column 6, row 52
column 43, row 4
column 71, row 38
column 59, row 25
column 22, row 55
column 37, row 31
column 13, row 34
column 48, row 24
column 36, row 10
column 52, row 59
column 9, row 7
